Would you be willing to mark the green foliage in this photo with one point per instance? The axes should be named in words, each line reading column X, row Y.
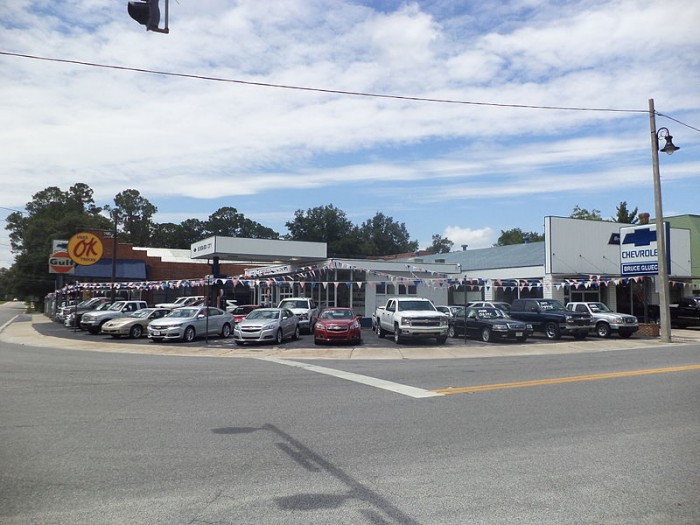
column 625, row 216
column 134, row 215
column 440, row 245
column 227, row 222
column 380, row 235
column 517, row 236
column 584, row 214
column 52, row 214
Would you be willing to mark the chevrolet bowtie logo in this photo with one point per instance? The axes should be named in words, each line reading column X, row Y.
column 640, row 237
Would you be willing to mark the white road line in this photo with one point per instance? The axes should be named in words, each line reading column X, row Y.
column 357, row 378
column 8, row 323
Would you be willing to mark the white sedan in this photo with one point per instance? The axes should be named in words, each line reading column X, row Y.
column 189, row 323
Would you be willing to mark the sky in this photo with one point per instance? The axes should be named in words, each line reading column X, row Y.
column 457, row 145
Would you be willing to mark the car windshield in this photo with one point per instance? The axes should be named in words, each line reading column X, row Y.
column 294, row 304
column 415, row 305
column 490, row 313
column 264, row 314
column 598, row 307
column 143, row 312
column 181, row 300
column 184, row 312
column 116, row 306
column 550, row 305
column 337, row 314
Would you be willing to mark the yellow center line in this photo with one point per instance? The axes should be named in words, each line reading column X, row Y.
column 559, row 380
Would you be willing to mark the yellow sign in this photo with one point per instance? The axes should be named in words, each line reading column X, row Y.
column 85, row 248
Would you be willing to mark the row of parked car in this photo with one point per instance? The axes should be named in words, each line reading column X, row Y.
column 188, row 318
column 522, row 318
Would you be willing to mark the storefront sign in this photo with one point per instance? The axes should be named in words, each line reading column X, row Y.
column 85, row 248
column 639, row 253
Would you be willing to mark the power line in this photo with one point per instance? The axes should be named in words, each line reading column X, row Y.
column 314, row 89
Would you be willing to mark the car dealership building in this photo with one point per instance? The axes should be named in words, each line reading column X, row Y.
column 578, row 260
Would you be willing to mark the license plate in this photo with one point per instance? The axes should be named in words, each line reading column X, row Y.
column 157, row 333
column 518, row 334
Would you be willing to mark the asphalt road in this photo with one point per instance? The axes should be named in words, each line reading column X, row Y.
column 120, row 438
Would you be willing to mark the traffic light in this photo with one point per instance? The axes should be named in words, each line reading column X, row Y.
column 147, row 13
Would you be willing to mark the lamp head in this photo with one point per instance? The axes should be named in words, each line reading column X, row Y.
column 669, row 147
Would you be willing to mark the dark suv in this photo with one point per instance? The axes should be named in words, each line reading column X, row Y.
column 551, row 318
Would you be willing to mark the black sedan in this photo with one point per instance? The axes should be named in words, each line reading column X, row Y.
column 488, row 324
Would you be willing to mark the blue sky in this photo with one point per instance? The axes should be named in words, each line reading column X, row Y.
column 464, row 171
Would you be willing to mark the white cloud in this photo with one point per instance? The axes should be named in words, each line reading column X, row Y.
column 472, row 238
column 200, row 140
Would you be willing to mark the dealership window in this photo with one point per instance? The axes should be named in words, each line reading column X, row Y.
column 585, row 296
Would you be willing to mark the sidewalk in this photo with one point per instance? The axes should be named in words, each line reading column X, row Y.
column 25, row 333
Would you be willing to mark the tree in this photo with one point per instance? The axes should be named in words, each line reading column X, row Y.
column 440, row 244
column 625, row 216
column 135, row 215
column 52, row 214
column 517, row 236
column 381, row 235
column 584, row 214
column 324, row 224
column 228, row 222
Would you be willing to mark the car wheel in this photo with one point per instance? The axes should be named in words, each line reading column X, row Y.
column 451, row 332
column 226, row 331
column 278, row 338
column 486, row 335
column 397, row 334
column 296, row 333
column 602, row 329
column 551, row 331
column 189, row 334
column 136, row 331
column 380, row 332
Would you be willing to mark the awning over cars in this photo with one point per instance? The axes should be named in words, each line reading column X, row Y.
column 103, row 270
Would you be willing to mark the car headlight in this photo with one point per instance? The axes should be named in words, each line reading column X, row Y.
column 269, row 326
column 500, row 328
column 569, row 318
column 320, row 326
column 355, row 325
column 618, row 319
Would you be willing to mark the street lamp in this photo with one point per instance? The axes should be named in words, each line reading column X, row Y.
column 662, row 284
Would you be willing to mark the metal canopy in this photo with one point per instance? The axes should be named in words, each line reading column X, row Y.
column 258, row 250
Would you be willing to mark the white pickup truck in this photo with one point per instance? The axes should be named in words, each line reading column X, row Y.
column 410, row 318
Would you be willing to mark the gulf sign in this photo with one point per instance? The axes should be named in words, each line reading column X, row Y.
column 85, row 248
column 60, row 262
column 639, row 253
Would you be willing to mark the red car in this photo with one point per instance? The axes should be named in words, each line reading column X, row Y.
column 337, row 325
column 239, row 312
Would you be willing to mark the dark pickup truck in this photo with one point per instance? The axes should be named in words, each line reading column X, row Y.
column 551, row 318
column 686, row 312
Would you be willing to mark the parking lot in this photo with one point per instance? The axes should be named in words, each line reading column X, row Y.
column 369, row 340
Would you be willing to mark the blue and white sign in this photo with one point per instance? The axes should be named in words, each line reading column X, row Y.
column 639, row 253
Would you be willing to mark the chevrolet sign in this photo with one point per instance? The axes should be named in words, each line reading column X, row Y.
column 639, row 253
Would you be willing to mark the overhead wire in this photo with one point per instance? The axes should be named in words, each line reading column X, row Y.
column 336, row 91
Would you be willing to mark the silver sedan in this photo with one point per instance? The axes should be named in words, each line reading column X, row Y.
column 267, row 325
column 190, row 322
